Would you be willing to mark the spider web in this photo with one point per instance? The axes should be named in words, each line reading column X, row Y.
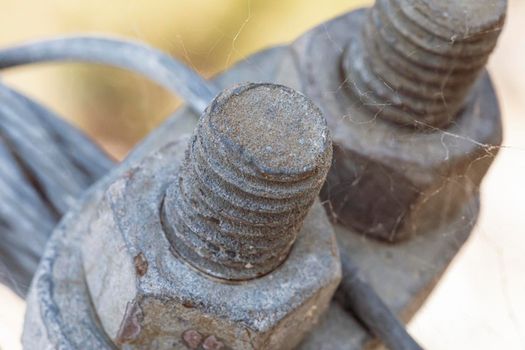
column 496, row 234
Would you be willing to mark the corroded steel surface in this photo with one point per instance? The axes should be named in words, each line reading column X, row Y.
column 413, row 62
column 145, row 297
column 390, row 181
column 253, row 168
column 386, row 181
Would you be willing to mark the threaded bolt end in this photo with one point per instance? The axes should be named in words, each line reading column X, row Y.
column 253, row 168
column 416, row 60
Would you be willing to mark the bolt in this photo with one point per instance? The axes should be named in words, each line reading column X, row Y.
column 416, row 60
column 225, row 204
column 402, row 63
column 252, row 171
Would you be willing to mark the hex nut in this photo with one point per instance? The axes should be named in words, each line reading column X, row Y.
column 147, row 296
column 389, row 181
column 171, row 297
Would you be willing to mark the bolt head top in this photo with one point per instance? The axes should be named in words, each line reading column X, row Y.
column 276, row 131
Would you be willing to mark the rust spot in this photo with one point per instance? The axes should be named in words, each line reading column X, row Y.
column 192, row 338
column 212, row 343
column 130, row 327
column 141, row 264
column 188, row 304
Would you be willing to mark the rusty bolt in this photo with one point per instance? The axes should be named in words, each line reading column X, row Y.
column 252, row 171
column 224, row 245
column 401, row 63
column 416, row 60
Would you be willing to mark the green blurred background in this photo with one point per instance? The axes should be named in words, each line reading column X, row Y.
column 478, row 304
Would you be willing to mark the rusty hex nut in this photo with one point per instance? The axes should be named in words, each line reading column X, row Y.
column 387, row 180
column 391, row 184
column 147, row 293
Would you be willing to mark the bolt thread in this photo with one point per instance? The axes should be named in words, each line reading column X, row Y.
column 235, row 211
column 416, row 60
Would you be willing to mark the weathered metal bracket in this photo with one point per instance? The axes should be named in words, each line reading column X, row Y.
column 403, row 274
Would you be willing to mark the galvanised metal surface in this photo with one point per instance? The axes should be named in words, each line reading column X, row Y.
column 388, row 180
column 144, row 296
column 402, row 274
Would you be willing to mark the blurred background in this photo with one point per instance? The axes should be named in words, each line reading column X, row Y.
column 479, row 303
